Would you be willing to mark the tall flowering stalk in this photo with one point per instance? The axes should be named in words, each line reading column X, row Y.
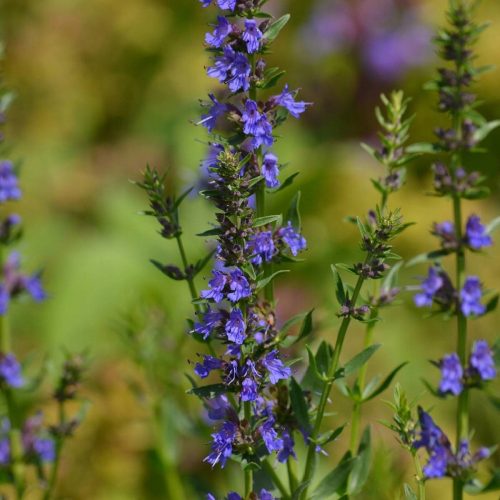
column 256, row 410
column 393, row 156
column 472, row 365
column 25, row 442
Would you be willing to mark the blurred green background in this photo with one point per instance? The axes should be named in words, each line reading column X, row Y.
column 105, row 87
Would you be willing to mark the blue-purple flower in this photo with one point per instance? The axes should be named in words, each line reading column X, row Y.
column 252, row 36
column 222, row 29
column 209, row 364
column 262, row 246
column 287, row 100
column 276, row 368
column 249, row 389
column 235, row 327
column 217, row 285
column 10, row 370
column 240, row 288
column 270, row 437
column 9, row 186
column 470, row 296
column 211, row 320
column 295, row 241
column 451, row 375
column 217, row 109
column 270, row 170
column 481, row 360
column 222, row 445
column 476, row 236
column 429, row 287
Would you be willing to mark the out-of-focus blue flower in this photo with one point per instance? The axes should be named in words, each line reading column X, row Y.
column 451, row 375
column 226, row 4
column 235, row 327
column 252, row 36
column 481, row 360
column 211, row 320
column 470, row 296
column 45, row 449
column 287, row 100
column 429, row 287
column 249, row 389
column 295, row 241
column 271, row 439
column 218, row 407
column 9, row 186
column 10, row 370
column 287, row 450
column 209, row 363
column 270, row 170
column 222, row 29
column 209, row 120
column 276, row 368
column 240, row 288
column 475, row 234
column 217, row 285
column 437, row 464
column 222, row 445
column 262, row 245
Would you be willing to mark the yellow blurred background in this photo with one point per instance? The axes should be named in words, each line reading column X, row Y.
column 104, row 87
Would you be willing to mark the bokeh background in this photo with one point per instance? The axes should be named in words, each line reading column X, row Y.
column 105, row 87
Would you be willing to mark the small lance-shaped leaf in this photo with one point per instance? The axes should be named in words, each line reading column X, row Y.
column 324, row 356
column 271, row 80
column 330, row 436
column 361, row 469
column 200, row 264
column 385, row 384
column 409, row 493
column 422, row 147
column 391, row 278
column 476, row 193
column 211, row 232
column 306, row 328
column 339, row 286
column 299, row 490
column 426, row 257
column 483, row 131
column 335, row 481
column 477, row 488
column 181, row 198
column 208, row 391
column 491, row 305
column 287, row 182
column 360, row 359
column 262, row 283
column 293, row 213
column 268, row 219
column 493, row 225
column 274, row 29
column 172, row 272
column 299, row 406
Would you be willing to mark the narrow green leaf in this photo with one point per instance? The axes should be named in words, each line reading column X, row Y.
column 426, row 257
column 422, row 147
column 360, row 359
column 483, row 131
column 339, row 286
column 262, row 283
column 208, row 391
column 293, row 213
column 409, row 493
column 299, row 406
column 493, row 225
column 385, row 383
column 335, row 480
column 268, row 219
column 211, row 232
column 274, row 29
column 287, row 182
column 361, row 469
column 306, row 328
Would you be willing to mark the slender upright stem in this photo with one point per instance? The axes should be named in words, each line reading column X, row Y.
column 269, row 470
column 327, row 386
column 247, row 408
column 49, row 492
column 420, row 477
column 292, row 474
column 189, row 279
column 356, row 412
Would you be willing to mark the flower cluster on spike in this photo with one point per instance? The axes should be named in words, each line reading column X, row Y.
column 469, row 367
column 239, row 324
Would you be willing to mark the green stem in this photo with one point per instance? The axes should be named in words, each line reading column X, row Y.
column 327, row 386
column 49, row 492
column 16, row 446
column 462, row 422
column 189, row 279
column 247, row 408
column 173, row 483
column 269, row 469
column 356, row 412
column 420, row 477
column 292, row 474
